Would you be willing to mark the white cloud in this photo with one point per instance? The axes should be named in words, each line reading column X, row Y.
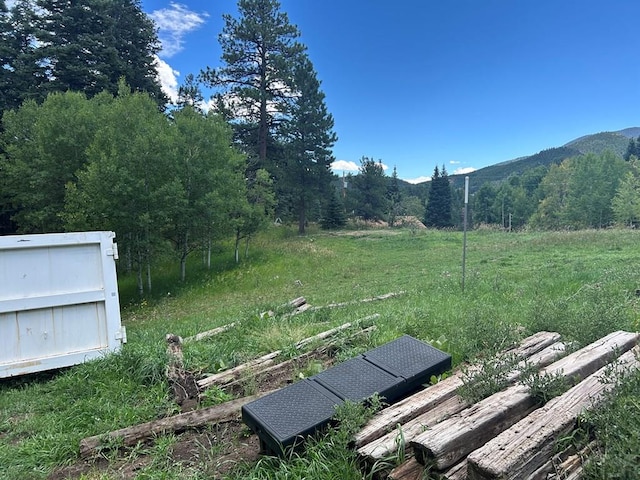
column 454, row 162
column 168, row 79
column 173, row 24
column 463, row 170
column 345, row 165
column 418, row 180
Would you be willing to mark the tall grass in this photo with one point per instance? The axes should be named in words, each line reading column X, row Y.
column 581, row 284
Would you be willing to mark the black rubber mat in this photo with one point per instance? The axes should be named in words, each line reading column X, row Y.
column 393, row 370
column 357, row 380
column 285, row 417
column 411, row 359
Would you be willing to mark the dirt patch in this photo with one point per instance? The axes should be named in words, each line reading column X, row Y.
column 214, row 450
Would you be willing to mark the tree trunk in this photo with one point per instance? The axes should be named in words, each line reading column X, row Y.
column 198, row 418
column 301, row 216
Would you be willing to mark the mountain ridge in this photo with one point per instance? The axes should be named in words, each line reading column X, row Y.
column 597, row 143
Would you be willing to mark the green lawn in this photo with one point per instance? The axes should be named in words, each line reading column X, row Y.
column 580, row 284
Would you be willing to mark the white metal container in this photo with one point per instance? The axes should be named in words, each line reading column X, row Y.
column 59, row 302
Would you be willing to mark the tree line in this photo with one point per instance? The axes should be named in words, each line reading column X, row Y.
column 88, row 141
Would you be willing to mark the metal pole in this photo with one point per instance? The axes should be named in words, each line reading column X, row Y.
column 464, row 241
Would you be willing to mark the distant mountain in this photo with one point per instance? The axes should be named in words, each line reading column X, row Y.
column 597, row 143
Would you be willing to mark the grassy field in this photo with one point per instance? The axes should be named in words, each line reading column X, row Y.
column 580, row 284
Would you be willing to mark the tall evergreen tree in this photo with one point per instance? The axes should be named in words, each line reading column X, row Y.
column 259, row 51
column 90, row 45
column 369, row 189
column 394, row 197
column 633, row 149
column 438, row 212
column 22, row 74
column 309, row 137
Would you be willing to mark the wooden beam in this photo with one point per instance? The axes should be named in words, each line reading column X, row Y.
column 384, row 446
column 426, row 399
column 526, row 446
column 451, row 440
column 197, row 418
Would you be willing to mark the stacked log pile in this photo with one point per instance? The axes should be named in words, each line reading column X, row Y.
column 508, row 435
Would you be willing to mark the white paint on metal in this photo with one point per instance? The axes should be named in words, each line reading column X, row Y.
column 59, row 303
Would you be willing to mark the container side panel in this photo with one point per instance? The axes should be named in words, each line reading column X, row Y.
column 54, row 331
column 49, row 270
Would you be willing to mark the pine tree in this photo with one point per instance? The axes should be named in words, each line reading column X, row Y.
column 89, row 46
column 259, row 50
column 394, row 197
column 438, row 212
column 334, row 216
column 369, row 189
column 308, row 137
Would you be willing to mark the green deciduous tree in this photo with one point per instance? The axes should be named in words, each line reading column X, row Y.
column 45, row 147
column 210, row 180
column 626, row 202
column 129, row 183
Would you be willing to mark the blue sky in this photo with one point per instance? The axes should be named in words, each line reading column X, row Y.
column 460, row 83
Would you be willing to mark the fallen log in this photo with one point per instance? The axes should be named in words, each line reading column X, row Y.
column 130, row 436
column 287, row 365
column 426, row 399
column 355, row 302
column 209, row 333
column 526, row 446
column 231, row 375
column 451, row 440
column 384, row 446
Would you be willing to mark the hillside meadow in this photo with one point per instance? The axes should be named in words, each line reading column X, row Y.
column 581, row 284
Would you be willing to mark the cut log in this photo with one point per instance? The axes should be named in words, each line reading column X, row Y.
column 457, row 472
column 526, row 446
column 408, row 470
column 384, row 446
column 329, row 333
column 364, row 300
column 209, row 333
column 426, row 399
column 197, row 418
column 450, row 441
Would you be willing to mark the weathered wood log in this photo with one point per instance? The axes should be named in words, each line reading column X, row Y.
column 197, row 418
column 355, row 302
column 183, row 384
column 287, row 365
column 329, row 333
column 209, row 333
column 457, row 472
column 408, row 470
column 526, row 446
column 426, row 399
column 231, row 375
column 384, row 446
column 451, row 440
